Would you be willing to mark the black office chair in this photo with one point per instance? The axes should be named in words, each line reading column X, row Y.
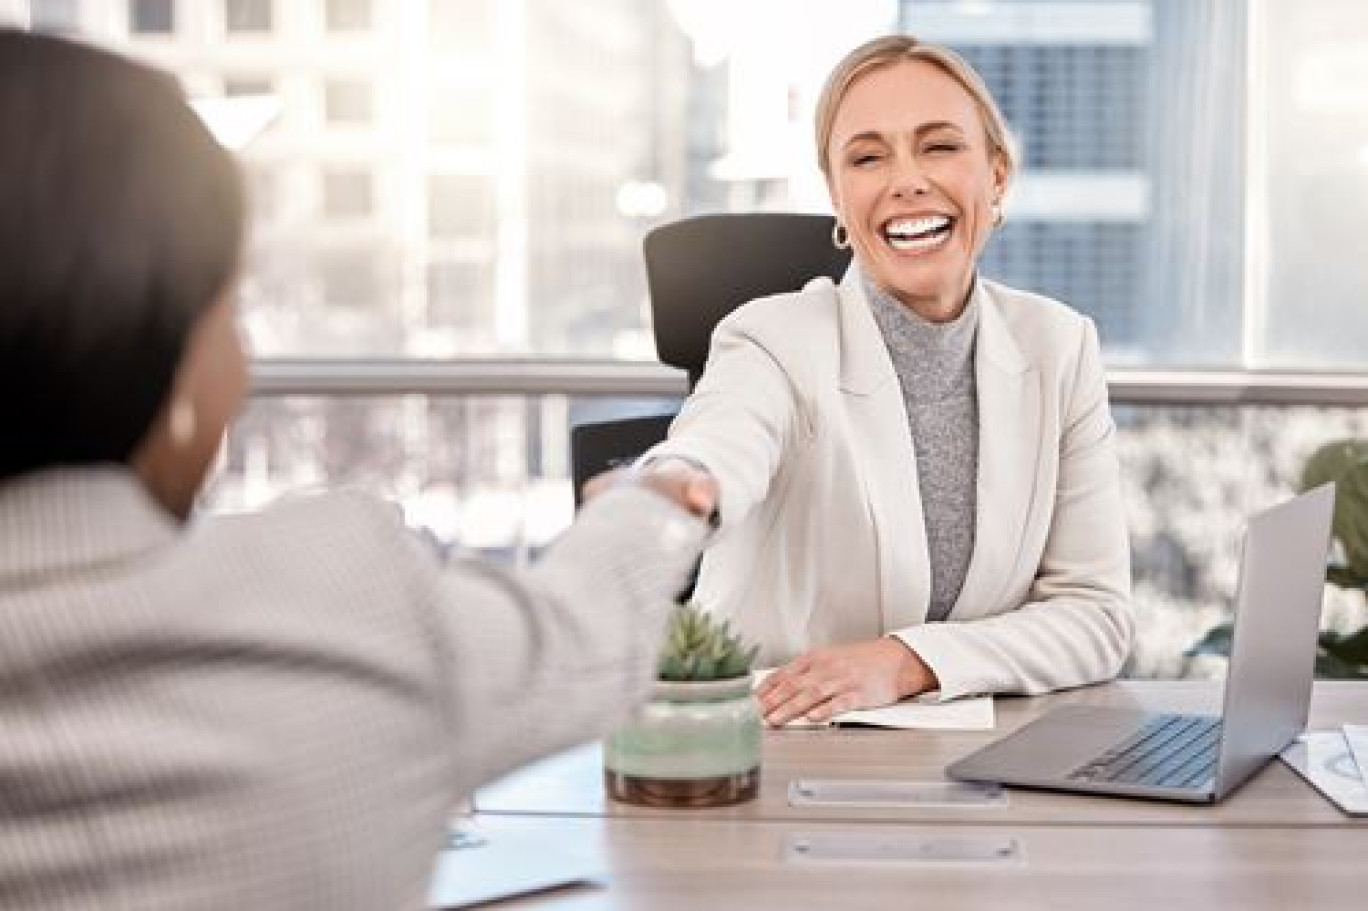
column 598, row 446
column 698, row 270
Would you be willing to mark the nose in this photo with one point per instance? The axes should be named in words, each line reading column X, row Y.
column 908, row 179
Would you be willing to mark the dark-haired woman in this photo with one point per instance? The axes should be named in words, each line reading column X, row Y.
column 271, row 711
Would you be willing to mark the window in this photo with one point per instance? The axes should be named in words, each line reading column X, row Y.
column 462, row 114
column 351, row 279
column 462, row 27
column 56, row 16
column 348, row 194
column 1131, row 204
column 459, row 206
column 347, row 102
column 152, row 17
column 1194, row 179
column 1307, row 306
column 1107, row 213
column 238, row 86
column 348, row 15
column 246, row 16
column 263, row 190
column 461, row 299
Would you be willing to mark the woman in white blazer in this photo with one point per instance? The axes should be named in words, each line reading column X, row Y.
column 919, row 485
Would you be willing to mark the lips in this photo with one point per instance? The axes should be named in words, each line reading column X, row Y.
column 918, row 234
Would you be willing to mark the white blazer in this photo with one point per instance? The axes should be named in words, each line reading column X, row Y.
column 800, row 417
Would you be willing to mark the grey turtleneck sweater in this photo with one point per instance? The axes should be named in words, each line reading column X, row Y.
column 935, row 365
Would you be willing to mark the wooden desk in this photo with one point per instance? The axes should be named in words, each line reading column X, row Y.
column 571, row 784
column 691, row 863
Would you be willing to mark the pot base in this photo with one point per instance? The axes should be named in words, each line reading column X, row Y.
column 682, row 792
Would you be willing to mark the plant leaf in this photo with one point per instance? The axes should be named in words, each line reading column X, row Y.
column 1216, row 641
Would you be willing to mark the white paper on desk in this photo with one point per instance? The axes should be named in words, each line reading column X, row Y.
column 502, row 865
column 1323, row 759
column 1356, row 735
column 974, row 714
column 917, row 713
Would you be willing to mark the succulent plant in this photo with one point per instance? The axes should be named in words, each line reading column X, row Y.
column 700, row 647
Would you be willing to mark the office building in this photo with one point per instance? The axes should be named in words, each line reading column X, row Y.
column 1093, row 91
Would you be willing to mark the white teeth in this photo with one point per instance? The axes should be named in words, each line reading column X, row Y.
column 915, row 234
column 912, row 227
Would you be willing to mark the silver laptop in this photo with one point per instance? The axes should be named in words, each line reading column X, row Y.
column 1198, row 758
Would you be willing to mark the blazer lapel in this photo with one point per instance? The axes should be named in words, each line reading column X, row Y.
column 1009, row 447
column 882, row 447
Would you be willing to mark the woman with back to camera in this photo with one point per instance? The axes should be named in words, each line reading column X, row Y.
column 918, row 484
column 270, row 711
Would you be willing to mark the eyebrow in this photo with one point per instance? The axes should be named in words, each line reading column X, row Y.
column 919, row 132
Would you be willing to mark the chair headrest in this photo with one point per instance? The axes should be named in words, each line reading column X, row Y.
column 700, row 269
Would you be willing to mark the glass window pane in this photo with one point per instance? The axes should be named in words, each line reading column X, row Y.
column 460, row 206
column 56, row 16
column 247, row 15
column 462, row 27
column 348, row 194
column 1109, row 213
column 237, row 86
column 491, row 474
column 348, row 15
column 1314, row 234
column 534, row 139
column 460, row 313
column 486, row 475
column 347, row 102
column 152, row 17
column 462, row 115
column 1185, row 525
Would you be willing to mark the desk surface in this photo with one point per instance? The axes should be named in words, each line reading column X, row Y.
column 571, row 784
column 717, row 865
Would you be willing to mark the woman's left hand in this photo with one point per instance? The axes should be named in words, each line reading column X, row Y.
column 828, row 681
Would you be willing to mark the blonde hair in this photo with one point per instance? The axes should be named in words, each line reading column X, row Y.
column 891, row 49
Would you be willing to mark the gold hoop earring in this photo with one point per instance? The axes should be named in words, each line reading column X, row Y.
column 840, row 237
column 181, row 423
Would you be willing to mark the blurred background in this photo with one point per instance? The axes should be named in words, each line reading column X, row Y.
column 449, row 198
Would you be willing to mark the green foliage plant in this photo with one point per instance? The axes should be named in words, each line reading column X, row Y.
column 700, row 647
column 1338, row 655
column 1346, row 463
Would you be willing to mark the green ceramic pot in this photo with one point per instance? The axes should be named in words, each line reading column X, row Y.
column 694, row 744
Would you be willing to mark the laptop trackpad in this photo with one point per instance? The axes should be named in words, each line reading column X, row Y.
column 1050, row 747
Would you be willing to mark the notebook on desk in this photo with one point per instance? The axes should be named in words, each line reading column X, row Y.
column 927, row 713
column 1198, row 758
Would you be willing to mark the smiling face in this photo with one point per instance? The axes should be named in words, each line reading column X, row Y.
column 913, row 178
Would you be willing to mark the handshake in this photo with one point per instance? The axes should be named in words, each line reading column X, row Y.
column 688, row 484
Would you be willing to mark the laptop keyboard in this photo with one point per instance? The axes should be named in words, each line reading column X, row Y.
column 1169, row 751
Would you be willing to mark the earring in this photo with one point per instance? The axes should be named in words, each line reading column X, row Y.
column 998, row 217
column 840, row 237
column 181, row 423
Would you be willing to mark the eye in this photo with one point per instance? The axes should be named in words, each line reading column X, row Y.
column 943, row 147
column 864, row 159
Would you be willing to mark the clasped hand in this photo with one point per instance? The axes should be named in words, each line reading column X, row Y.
column 825, row 682
column 691, row 488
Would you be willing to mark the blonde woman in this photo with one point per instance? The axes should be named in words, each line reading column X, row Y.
column 918, row 483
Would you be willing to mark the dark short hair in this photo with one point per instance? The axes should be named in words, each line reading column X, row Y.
column 121, row 222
